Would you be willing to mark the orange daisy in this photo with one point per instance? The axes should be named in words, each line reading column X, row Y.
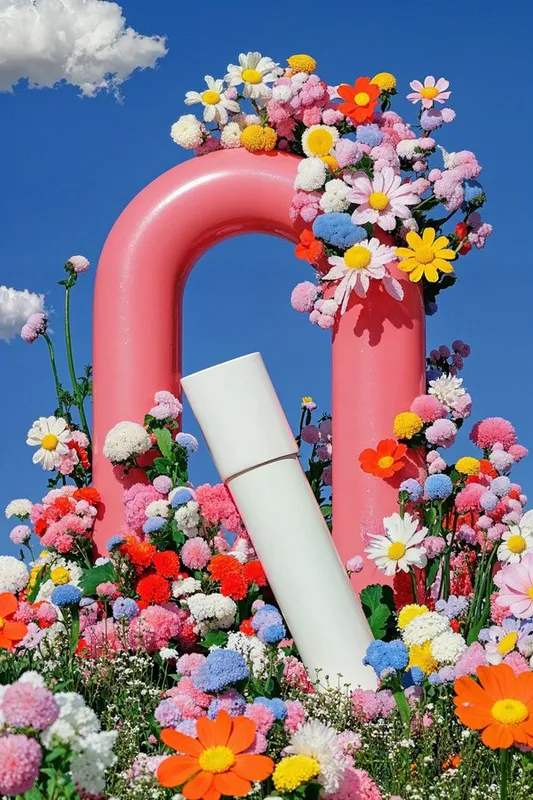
column 309, row 249
column 500, row 705
column 214, row 763
column 385, row 460
column 11, row 631
column 360, row 99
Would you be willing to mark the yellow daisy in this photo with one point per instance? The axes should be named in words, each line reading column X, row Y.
column 425, row 256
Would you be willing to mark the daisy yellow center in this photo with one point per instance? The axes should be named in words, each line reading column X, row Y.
column 2, row 623
column 293, row 771
column 378, row 200
column 320, row 142
column 307, row 399
column 429, row 92
column 251, row 76
column 530, row 592
column 396, row 551
column 424, row 254
column 217, row 759
column 510, row 711
column 507, row 643
column 60, row 576
column 385, row 461
column 357, row 257
column 49, row 441
column 516, row 543
column 210, row 98
column 362, row 99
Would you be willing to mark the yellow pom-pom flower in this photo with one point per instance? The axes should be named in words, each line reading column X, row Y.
column 302, row 63
column 60, row 576
column 255, row 138
column 293, row 771
column 409, row 613
column 468, row 466
column 385, row 80
column 420, row 655
column 407, row 424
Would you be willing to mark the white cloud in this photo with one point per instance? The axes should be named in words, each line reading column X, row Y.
column 83, row 42
column 15, row 308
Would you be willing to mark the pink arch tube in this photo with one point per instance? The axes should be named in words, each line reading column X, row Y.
column 378, row 345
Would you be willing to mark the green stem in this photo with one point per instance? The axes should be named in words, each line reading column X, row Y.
column 54, row 370
column 413, row 584
column 505, row 769
column 78, row 399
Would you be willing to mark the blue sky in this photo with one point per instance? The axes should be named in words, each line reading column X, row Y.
column 71, row 164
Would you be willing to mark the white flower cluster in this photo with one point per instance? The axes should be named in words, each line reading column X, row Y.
column 158, row 508
column 212, row 611
column 14, row 575
column 20, row 507
column 335, row 197
column 126, row 440
column 188, row 519
column 95, row 757
column 311, row 174
column 321, row 742
column 186, row 586
column 251, row 648
column 188, row 132
column 446, row 645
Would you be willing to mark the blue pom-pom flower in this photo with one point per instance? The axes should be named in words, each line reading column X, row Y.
column 153, row 524
column 125, row 608
column 413, row 488
column 384, row 657
column 67, row 595
column 188, row 441
column 114, row 541
column 275, row 704
column 369, row 134
column 221, row 668
column 338, row 229
column 438, row 487
column 181, row 496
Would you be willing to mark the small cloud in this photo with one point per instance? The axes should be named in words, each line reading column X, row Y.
column 15, row 308
column 82, row 42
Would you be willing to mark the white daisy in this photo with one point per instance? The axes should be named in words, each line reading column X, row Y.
column 255, row 72
column 448, row 389
column 216, row 105
column 382, row 200
column 50, row 435
column 356, row 267
column 320, row 742
column 399, row 548
column 516, row 543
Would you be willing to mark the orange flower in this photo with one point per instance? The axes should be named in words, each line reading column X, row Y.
column 451, row 762
column 11, row 632
column 309, row 249
column 500, row 705
column 385, row 460
column 361, row 99
column 214, row 763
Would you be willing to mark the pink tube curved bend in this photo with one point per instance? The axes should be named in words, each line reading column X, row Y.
column 378, row 345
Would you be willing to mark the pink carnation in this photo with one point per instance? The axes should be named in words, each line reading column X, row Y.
column 195, row 553
column 217, row 507
column 517, row 662
column 366, row 705
column 262, row 716
column 518, row 452
column 136, row 499
column 330, row 116
column 428, row 408
column 469, row 498
column 304, row 205
column 295, row 715
column 442, row 433
column 356, row 784
column 28, row 706
column 20, row 761
column 303, row 296
column 189, row 663
column 492, row 430
column 434, row 545
column 154, row 628
column 472, row 658
column 462, row 407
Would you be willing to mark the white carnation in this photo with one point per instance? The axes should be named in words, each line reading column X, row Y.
column 335, row 197
column 186, row 586
column 311, row 174
column 96, row 756
column 251, row 648
column 406, row 148
column 187, row 518
column 231, row 135
column 14, row 575
column 424, row 628
column 19, row 508
column 158, row 508
column 126, row 440
column 188, row 132
column 448, row 389
column 447, row 647
column 213, row 607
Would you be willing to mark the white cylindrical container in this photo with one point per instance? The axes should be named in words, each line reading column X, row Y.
column 255, row 452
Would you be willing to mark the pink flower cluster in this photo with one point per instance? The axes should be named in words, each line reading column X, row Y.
column 369, row 705
column 167, row 406
column 35, row 326
column 136, row 499
column 300, row 98
column 217, row 507
column 62, row 516
column 448, row 185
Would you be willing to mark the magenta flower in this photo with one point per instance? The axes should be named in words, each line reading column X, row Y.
column 515, row 582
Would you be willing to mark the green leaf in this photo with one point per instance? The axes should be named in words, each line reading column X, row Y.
column 378, row 621
column 96, row 575
column 326, row 511
column 43, row 575
column 164, row 440
column 215, row 639
column 371, row 596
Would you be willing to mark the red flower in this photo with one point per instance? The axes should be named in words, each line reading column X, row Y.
column 234, row 585
column 246, row 627
column 92, row 496
column 361, row 99
column 153, row 589
column 139, row 553
column 221, row 565
column 309, row 249
column 461, row 230
column 254, row 573
column 466, row 248
column 167, row 564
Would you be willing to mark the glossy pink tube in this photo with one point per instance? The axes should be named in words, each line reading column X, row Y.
column 378, row 346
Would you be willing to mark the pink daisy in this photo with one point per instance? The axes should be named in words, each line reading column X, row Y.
column 515, row 582
column 429, row 92
column 381, row 200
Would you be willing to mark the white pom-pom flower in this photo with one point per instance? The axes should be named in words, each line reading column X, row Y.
column 188, row 132
column 311, row 174
column 14, row 575
column 447, row 647
column 335, row 197
column 126, row 440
